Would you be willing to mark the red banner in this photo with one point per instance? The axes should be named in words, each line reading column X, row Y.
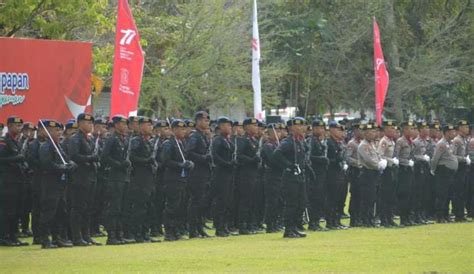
column 44, row 79
column 128, row 64
column 381, row 75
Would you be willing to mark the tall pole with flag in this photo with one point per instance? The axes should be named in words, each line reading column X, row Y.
column 128, row 64
column 381, row 75
column 257, row 94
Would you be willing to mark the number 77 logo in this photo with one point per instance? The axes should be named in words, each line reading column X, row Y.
column 128, row 35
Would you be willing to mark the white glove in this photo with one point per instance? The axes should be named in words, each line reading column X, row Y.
column 432, row 172
column 468, row 160
column 395, row 161
column 426, row 158
column 345, row 167
column 382, row 165
column 411, row 163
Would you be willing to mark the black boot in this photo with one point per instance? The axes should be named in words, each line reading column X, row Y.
column 112, row 239
column 202, row 232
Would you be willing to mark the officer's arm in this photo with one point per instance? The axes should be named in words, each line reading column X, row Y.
column 314, row 157
column 280, row 155
column 106, row 153
column 32, row 157
column 4, row 158
column 439, row 150
column 166, row 153
column 135, row 152
column 417, row 155
column 348, row 155
column 242, row 148
column 457, row 143
column 47, row 160
column 268, row 156
column 331, row 152
column 365, row 156
column 191, row 150
column 74, row 150
column 216, row 146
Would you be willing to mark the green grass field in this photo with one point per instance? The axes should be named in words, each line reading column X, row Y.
column 440, row 247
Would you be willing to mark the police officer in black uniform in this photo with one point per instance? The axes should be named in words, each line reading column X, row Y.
column 27, row 136
column 81, row 150
column 177, row 170
column 197, row 150
column 291, row 155
column 12, row 172
column 99, row 137
column 248, row 161
column 142, row 180
column 221, row 186
column 56, row 168
column 115, row 157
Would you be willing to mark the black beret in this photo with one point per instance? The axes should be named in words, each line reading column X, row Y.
column 273, row 125
column 296, row 121
column 161, row 123
column 407, row 124
column 318, row 123
column 14, row 119
column 237, row 124
column 28, row 125
column 85, row 117
column 133, row 119
column 261, row 124
column 334, row 124
column 434, row 126
column 463, row 123
column 356, row 126
column 144, row 119
column 389, row 123
column 100, row 121
column 422, row 124
column 447, row 127
column 200, row 114
column 52, row 123
column 369, row 126
column 71, row 124
column 223, row 119
column 119, row 118
column 190, row 123
column 178, row 123
column 250, row 121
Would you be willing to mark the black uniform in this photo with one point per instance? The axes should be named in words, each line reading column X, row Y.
column 197, row 150
column 158, row 204
column 35, row 165
column 99, row 195
column 248, row 168
column 221, row 188
column 336, row 181
column 53, row 195
column 317, row 190
column 115, row 157
column 12, row 174
column 291, row 156
column 81, row 149
column 141, row 185
column 175, row 178
column 26, row 191
column 272, row 186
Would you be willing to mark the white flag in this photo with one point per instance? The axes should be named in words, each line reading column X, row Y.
column 257, row 95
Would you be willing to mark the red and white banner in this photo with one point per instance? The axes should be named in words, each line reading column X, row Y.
column 381, row 75
column 44, row 79
column 128, row 64
column 257, row 94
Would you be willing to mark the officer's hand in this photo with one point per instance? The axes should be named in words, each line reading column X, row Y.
column 94, row 157
column 187, row 165
column 126, row 164
column 345, row 167
column 326, row 160
column 151, row 160
column 382, row 164
column 468, row 160
column 426, row 158
column 432, row 172
column 63, row 167
column 19, row 158
column 208, row 157
column 411, row 163
column 395, row 161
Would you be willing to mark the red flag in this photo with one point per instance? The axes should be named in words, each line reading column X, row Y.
column 381, row 75
column 128, row 64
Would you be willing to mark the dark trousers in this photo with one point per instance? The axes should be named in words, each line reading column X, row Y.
column 293, row 194
column 444, row 182
column 368, row 181
column 222, row 192
column 27, row 205
column 353, row 175
column 459, row 191
column 82, row 198
column 53, row 208
column 158, row 205
column 98, row 203
column 405, row 183
column 12, row 204
column 317, row 195
column 113, row 206
column 175, row 191
column 419, row 192
column 247, row 195
column 36, row 204
column 197, row 185
column 141, row 190
column 260, row 194
column 388, row 188
column 336, row 183
column 272, row 181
